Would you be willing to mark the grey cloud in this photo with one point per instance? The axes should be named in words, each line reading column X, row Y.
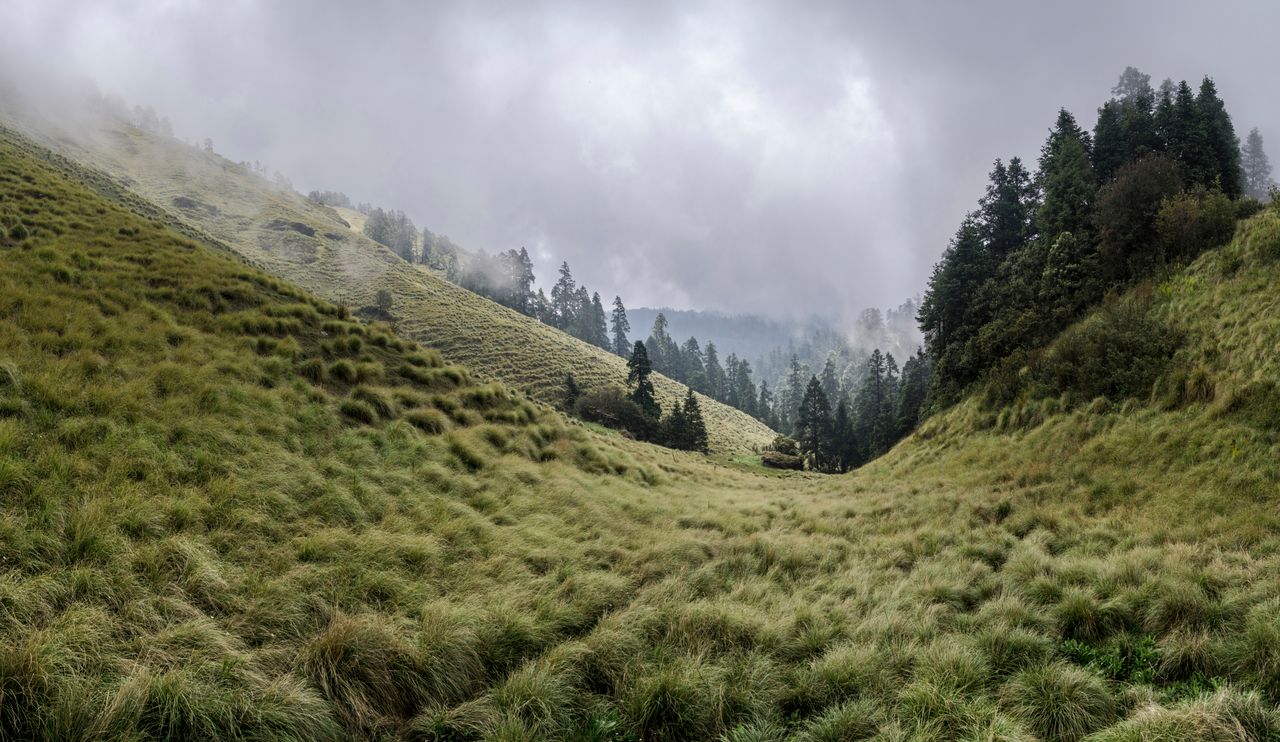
column 775, row 157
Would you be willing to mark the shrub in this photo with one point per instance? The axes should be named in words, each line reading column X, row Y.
column 612, row 408
column 1116, row 353
column 1125, row 216
column 1191, row 222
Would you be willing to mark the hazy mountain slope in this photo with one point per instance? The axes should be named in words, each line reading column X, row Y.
column 202, row 537
column 305, row 243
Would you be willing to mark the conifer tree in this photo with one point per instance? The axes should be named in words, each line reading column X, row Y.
column 638, row 372
column 1257, row 169
column 813, row 425
column 715, row 372
column 599, row 323
column 662, row 349
column 829, row 379
column 692, row 367
column 912, row 391
column 675, row 428
column 844, row 444
column 766, row 411
column 572, row 392
column 583, row 323
column 1066, row 180
column 620, row 327
column 1222, row 147
column 695, row 427
column 1007, row 210
column 564, row 296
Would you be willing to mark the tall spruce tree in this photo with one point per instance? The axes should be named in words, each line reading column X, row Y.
column 1221, row 143
column 716, row 377
column 638, row 372
column 620, row 327
column 695, row 427
column 1256, row 167
column 813, row 425
column 1066, row 180
column 692, row 365
column 843, row 446
column 1007, row 210
column 599, row 323
column 564, row 299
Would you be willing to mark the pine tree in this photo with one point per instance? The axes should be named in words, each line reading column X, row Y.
column 947, row 313
column 599, row 323
column 564, row 297
column 793, row 394
column 519, row 280
column 765, row 407
column 744, row 389
column 1066, row 180
column 844, row 444
column 1222, row 147
column 675, row 428
column 620, row 327
column 695, row 427
column 662, row 349
column 716, row 377
column 912, row 391
column 1257, row 169
column 813, row 425
column 638, row 372
column 871, row 404
column 583, row 316
column 1187, row 138
column 1007, row 210
column 830, row 382
column 692, row 366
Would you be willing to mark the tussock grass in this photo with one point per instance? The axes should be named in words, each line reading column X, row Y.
column 197, row 539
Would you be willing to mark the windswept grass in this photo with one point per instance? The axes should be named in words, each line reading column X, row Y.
column 198, row 539
column 336, row 262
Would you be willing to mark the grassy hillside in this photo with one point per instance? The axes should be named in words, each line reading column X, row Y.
column 311, row 246
column 228, row 512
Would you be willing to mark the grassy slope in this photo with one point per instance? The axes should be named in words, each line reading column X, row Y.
column 197, row 541
column 253, row 217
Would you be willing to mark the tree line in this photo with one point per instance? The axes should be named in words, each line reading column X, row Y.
column 1161, row 178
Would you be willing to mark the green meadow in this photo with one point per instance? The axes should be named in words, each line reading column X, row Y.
column 229, row 509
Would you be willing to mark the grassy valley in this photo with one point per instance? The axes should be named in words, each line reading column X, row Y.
column 231, row 511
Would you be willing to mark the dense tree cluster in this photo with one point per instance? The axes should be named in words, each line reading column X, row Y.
column 637, row 410
column 1155, row 183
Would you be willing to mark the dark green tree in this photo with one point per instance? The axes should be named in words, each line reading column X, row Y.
column 813, row 425
column 674, row 431
column 1066, row 180
column 695, row 427
column 843, row 447
column 1007, row 211
column 620, row 327
column 1221, row 143
column 638, row 372
column 572, row 392
column 692, row 366
column 913, row 389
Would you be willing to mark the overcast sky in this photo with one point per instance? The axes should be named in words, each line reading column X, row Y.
column 771, row 157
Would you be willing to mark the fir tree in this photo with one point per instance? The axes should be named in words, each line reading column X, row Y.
column 715, row 373
column 1222, row 147
column 844, row 444
column 638, row 372
column 620, row 327
column 675, row 428
column 1257, row 169
column 912, row 391
column 830, row 382
column 813, row 424
column 1066, row 180
column 1007, row 210
column 599, row 323
column 564, row 299
column 695, row 438
column 692, row 367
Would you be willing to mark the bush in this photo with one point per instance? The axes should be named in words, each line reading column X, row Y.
column 612, row 408
column 1190, row 223
column 1117, row 353
column 1125, row 216
column 784, row 445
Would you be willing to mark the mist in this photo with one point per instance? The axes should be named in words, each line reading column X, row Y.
column 741, row 157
